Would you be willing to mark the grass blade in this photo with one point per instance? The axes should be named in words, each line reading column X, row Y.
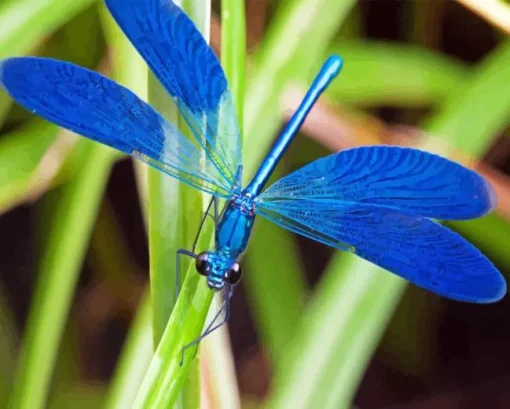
column 165, row 377
column 481, row 107
column 233, row 51
column 174, row 211
column 25, row 22
column 138, row 347
column 379, row 73
column 219, row 383
column 21, row 153
column 58, row 274
column 336, row 336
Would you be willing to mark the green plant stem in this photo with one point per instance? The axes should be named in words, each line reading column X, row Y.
column 165, row 376
column 174, row 209
column 233, row 51
column 174, row 213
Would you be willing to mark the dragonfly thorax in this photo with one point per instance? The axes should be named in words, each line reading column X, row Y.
column 218, row 269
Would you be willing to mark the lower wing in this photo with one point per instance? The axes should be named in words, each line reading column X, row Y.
column 417, row 249
column 94, row 106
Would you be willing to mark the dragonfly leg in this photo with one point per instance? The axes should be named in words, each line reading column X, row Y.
column 211, row 327
column 180, row 252
column 214, row 200
column 191, row 253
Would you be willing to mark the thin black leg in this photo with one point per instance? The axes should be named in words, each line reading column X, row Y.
column 214, row 200
column 216, row 213
column 210, row 328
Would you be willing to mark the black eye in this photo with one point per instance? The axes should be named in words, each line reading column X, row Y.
column 234, row 273
column 202, row 264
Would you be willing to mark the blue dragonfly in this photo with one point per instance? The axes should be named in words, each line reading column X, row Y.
column 376, row 202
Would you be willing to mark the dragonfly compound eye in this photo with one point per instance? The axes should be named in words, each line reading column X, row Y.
column 234, row 273
column 202, row 264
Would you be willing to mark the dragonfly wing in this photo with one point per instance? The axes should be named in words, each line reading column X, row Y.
column 189, row 70
column 404, row 179
column 417, row 249
column 90, row 104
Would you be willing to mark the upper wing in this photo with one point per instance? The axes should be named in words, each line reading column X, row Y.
column 417, row 249
column 404, row 179
column 187, row 67
column 98, row 108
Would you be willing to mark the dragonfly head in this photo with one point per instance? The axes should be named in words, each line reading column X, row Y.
column 218, row 270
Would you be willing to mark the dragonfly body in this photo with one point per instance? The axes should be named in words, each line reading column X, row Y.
column 235, row 226
column 379, row 202
column 232, row 235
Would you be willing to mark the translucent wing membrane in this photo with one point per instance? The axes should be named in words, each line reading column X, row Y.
column 417, row 249
column 94, row 106
column 405, row 179
column 187, row 67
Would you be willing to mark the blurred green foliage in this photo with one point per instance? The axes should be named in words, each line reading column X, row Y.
column 319, row 340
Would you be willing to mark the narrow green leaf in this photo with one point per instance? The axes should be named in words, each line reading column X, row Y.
column 165, row 376
column 138, row 348
column 26, row 22
column 58, row 273
column 233, row 51
column 479, row 231
column 481, row 107
column 21, row 152
column 336, row 336
column 175, row 211
column 381, row 73
column 215, row 349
